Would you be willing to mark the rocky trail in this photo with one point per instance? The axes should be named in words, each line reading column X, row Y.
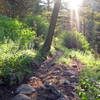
column 52, row 81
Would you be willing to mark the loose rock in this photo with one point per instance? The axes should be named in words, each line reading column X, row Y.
column 25, row 89
column 48, row 93
column 70, row 72
column 64, row 82
column 74, row 66
column 61, row 99
column 21, row 97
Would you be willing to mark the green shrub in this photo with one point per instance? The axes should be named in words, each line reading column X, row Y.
column 12, row 29
column 73, row 40
column 89, row 79
column 14, row 63
column 89, row 84
column 9, row 28
column 38, row 24
column 27, row 39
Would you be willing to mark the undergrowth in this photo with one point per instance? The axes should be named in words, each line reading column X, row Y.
column 89, row 79
column 14, row 64
column 19, row 45
column 17, row 50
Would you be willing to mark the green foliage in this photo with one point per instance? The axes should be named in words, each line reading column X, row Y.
column 73, row 40
column 12, row 29
column 38, row 23
column 89, row 85
column 14, row 63
column 17, row 41
column 89, row 79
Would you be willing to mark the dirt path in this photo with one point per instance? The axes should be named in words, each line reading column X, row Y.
column 60, row 79
column 64, row 78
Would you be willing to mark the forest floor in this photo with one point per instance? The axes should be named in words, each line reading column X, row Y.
column 61, row 77
column 64, row 78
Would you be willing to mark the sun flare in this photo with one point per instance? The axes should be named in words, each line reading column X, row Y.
column 74, row 4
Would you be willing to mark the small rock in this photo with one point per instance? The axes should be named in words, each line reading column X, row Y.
column 54, row 91
column 35, row 82
column 74, row 66
column 55, row 72
column 61, row 98
column 52, row 64
column 21, row 97
column 64, row 82
column 40, row 89
column 73, row 76
column 70, row 72
column 47, row 84
column 74, row 84
column 48, row 92
column 25, row 89
column 66, row 97
column 74, row 79
column 66, row 67
column 33, row 78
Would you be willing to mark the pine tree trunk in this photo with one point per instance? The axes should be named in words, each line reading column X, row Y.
column 47, row 44
column 4, row 7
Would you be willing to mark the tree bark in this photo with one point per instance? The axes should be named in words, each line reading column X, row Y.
column 47, row 44
column 4, row 7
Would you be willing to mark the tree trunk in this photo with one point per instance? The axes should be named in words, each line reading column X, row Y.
column 48, row 5
column 3, row 7
column 47, row 44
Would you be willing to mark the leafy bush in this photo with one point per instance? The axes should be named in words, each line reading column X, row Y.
column 12, row 29
column 14, row 63
column 16, row 38
column 38, row 24
column 73, row 40
column 89, row 84
column 89, row 79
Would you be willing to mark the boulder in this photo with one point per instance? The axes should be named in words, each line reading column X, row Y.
column 48, row 92
column 21, row 97
column 25, row 89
